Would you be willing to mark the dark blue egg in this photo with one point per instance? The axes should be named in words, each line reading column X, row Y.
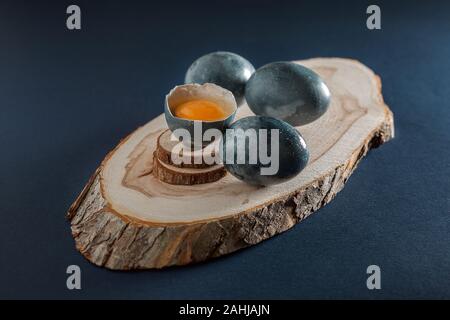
column 288, row 156
column 287, row 91
column 225, row 69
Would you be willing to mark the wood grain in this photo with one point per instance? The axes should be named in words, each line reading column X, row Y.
column 125, row 218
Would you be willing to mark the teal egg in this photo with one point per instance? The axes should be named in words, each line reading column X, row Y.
column 287, row 91
column 289, row 154
column 225, row 69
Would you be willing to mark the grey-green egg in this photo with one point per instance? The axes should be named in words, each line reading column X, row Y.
column 263, row 157
column 225, row 69
column 287, row 91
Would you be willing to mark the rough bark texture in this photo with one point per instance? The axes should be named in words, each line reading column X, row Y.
column 116, row 241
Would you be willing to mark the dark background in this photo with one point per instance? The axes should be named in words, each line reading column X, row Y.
column 67, row 97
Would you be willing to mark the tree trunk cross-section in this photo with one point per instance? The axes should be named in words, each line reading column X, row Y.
column 166, row 145
column 125, row 218
column 186, row 176
column 192, row 169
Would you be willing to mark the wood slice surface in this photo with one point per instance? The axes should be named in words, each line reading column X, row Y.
column 125, row 218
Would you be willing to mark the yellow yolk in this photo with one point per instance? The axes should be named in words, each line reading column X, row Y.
column 200, row 110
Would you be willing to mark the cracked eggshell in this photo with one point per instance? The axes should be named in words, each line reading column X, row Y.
column 207, row 91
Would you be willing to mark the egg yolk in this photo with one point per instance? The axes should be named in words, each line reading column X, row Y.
column 200, row 110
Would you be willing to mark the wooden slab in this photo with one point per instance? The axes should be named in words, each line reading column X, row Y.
column 125, row 218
